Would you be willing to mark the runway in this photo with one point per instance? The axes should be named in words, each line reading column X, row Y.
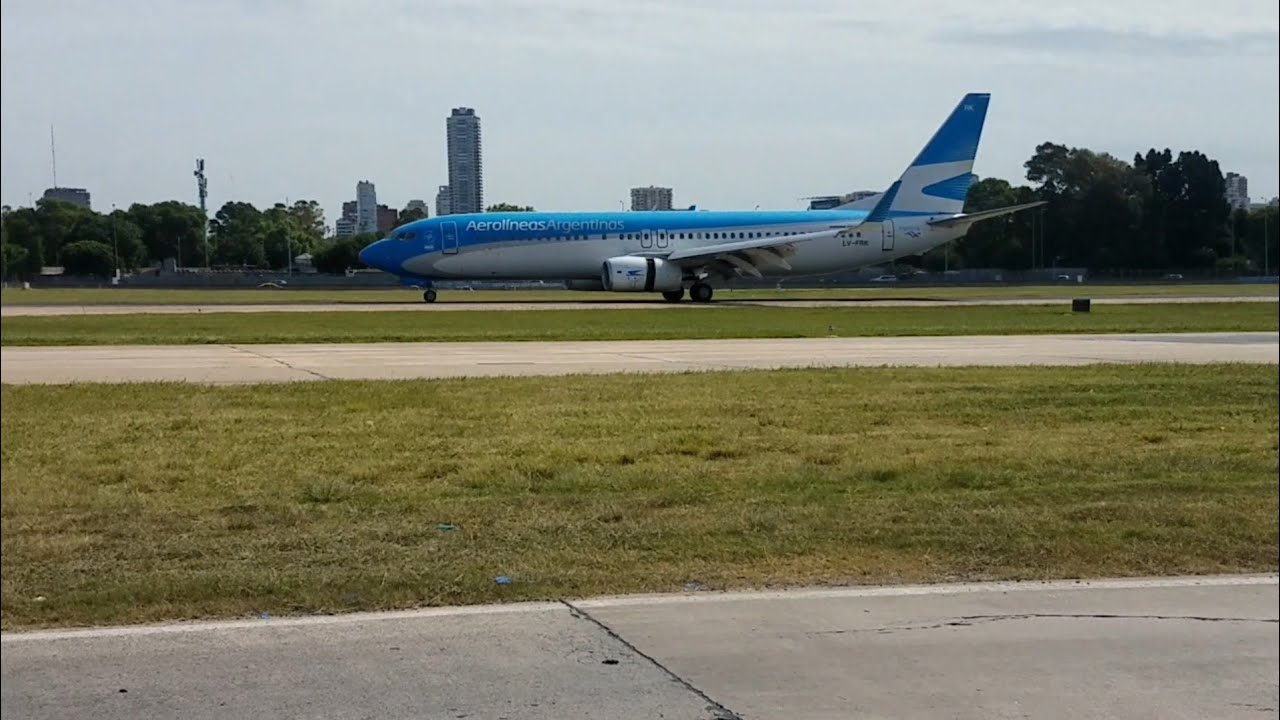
column 463, row 306
column 385, row 361
column 1167, row 648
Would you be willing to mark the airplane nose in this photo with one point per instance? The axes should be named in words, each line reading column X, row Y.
column 369, row 255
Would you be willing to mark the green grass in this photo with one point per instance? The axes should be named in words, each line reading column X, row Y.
column 148, row 502
column 135, row 296
column 624, row 324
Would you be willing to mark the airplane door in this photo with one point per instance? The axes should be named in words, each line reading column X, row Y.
column 646, row 239
column 449, row 231
column 886, row 235
column 663, row 238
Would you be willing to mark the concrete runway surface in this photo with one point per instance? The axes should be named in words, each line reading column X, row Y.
column 1167, row 648
column 384, row 361
column 446, row 306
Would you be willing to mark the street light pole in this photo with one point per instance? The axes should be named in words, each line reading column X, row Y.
column 115, row 244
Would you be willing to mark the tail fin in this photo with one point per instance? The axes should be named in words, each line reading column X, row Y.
column 938, row 180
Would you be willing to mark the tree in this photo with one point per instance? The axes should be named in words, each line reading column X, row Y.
column 1259, row 240
column 88, row 257
column 341, row 255
column 409, row 215
column 507, row 207
column 1002, row 242
column 308, row 217
column 60, row 222
column 236, row 232
column 171, row 229
column 12, row 259
column 1096, row 205
column 22, row 229
column 1189, row 216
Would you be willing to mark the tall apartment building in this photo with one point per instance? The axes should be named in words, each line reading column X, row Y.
column 344, row 227
column 466, row 179
column 388, row 219
column 444, row 201
column 1237, row 191
column 651, row 198
column 75, row 196
column 366, row 208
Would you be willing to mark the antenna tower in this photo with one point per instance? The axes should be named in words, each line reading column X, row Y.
column 202, row 188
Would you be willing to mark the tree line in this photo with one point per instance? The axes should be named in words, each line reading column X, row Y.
column 1159, row 212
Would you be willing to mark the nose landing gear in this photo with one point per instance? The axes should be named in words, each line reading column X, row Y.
column 429, row 296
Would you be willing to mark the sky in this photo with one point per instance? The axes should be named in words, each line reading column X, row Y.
column 736, row 104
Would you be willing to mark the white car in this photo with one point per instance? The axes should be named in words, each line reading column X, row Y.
column 885, row 278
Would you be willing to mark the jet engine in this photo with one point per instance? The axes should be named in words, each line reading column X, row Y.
column 641, row 274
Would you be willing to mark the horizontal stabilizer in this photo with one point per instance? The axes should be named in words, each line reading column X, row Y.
column 973, row 217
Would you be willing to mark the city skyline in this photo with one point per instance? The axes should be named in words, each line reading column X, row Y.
column 727, row 124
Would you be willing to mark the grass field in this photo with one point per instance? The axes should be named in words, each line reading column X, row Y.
column 133, row 296
column 624, row 324
column 149, row 502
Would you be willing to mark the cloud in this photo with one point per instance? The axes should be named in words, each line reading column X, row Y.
column 1080, row 40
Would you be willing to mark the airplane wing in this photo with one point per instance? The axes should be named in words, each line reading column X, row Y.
column 744, row 257
column 973, row 217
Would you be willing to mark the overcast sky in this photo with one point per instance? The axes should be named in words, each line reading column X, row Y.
column 734, row 103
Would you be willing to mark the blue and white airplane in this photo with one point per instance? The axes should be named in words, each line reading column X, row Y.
column 669, row 251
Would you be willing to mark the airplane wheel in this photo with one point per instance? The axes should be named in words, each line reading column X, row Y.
column 700, row 292
column 673, row 295
column 429, row 296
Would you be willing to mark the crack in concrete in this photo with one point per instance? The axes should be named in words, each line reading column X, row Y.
column 719, row 712
column 279, row 361
column 970, row 620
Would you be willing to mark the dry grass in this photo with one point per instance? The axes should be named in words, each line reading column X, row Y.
column 150, row 502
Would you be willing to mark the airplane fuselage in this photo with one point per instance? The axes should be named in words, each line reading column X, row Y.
column 573, row 246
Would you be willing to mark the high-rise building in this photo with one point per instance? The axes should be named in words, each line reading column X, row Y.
column 651, row 198
column 417, row 205
column 366, row 208
column 444, row 201
column 388, row 219
column 466, row 179
column 344, row 227
column 1237, row 191
column 75, row 196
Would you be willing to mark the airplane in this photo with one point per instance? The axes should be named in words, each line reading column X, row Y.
column 669, row 251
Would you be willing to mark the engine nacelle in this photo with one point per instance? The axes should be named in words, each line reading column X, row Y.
column 584, row 285
column 641, row 274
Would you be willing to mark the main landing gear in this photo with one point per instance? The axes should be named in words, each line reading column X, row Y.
column 429, row 296
column 700, row 292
